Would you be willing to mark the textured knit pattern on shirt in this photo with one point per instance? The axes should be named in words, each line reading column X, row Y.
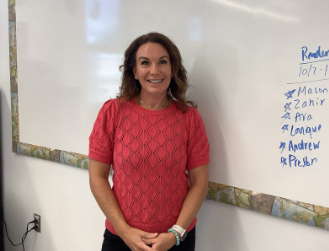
column 150, row 152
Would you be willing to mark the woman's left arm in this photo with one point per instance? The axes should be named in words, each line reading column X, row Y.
column 191, row 206
column 195, row 196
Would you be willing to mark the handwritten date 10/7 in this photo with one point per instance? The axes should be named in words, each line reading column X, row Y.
column 311, row 70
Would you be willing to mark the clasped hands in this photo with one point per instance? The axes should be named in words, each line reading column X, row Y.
column 138, row 240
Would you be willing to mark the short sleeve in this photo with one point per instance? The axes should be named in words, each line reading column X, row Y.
column 101, row 138
column 197, row 146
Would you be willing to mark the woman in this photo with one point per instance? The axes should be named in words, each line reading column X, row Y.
column 151, row 135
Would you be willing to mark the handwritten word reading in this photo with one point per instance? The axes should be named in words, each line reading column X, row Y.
column 318, row 54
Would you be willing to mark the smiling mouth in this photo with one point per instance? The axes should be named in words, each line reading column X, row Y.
column 155, row 81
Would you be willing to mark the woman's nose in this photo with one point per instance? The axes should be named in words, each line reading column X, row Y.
column 154, row 69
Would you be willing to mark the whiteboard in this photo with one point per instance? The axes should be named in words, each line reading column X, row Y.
column 247, row 60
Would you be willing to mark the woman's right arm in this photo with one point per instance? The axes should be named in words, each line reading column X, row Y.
column 101, row 189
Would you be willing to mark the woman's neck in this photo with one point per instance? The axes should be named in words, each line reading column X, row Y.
column 153, row 102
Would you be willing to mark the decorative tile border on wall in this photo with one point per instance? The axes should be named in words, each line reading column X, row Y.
column 13, row 72
column 263, row 203
column 46, row 153
column 297, row 211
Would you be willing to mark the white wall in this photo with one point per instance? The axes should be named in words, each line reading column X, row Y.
column 71, row 219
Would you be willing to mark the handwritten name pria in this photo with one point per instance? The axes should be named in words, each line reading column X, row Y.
column 310, row 55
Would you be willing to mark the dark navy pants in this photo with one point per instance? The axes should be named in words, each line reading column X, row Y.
column 113, row 242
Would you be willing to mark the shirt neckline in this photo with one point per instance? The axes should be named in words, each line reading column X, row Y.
column 169, row 109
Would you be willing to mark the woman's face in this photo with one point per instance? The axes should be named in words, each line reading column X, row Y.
column 153, row 70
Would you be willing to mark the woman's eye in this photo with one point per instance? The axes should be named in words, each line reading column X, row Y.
column 163, row 61
column 144, row 63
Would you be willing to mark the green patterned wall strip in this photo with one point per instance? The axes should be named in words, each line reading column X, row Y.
column 13, row 85
column 12, row 11
column 11, row 3
column 74, row 159
column 55, row 155
column 289, row 210
column 306, row 213
column 13, row 73
column 14, row 146
column 33, row 150
column 12, row 49
column 14, row 117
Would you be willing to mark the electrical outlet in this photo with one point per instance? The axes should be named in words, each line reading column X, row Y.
column 37, row 224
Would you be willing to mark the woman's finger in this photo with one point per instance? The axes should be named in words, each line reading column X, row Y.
column 149, row 235
column 148, row 241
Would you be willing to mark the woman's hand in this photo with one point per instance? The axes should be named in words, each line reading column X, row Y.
column 134, row 238
column 163, row 242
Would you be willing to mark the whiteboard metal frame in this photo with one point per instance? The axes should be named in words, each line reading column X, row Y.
column 306, row 213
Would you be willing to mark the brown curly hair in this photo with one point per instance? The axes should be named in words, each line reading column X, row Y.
column 178, row 86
